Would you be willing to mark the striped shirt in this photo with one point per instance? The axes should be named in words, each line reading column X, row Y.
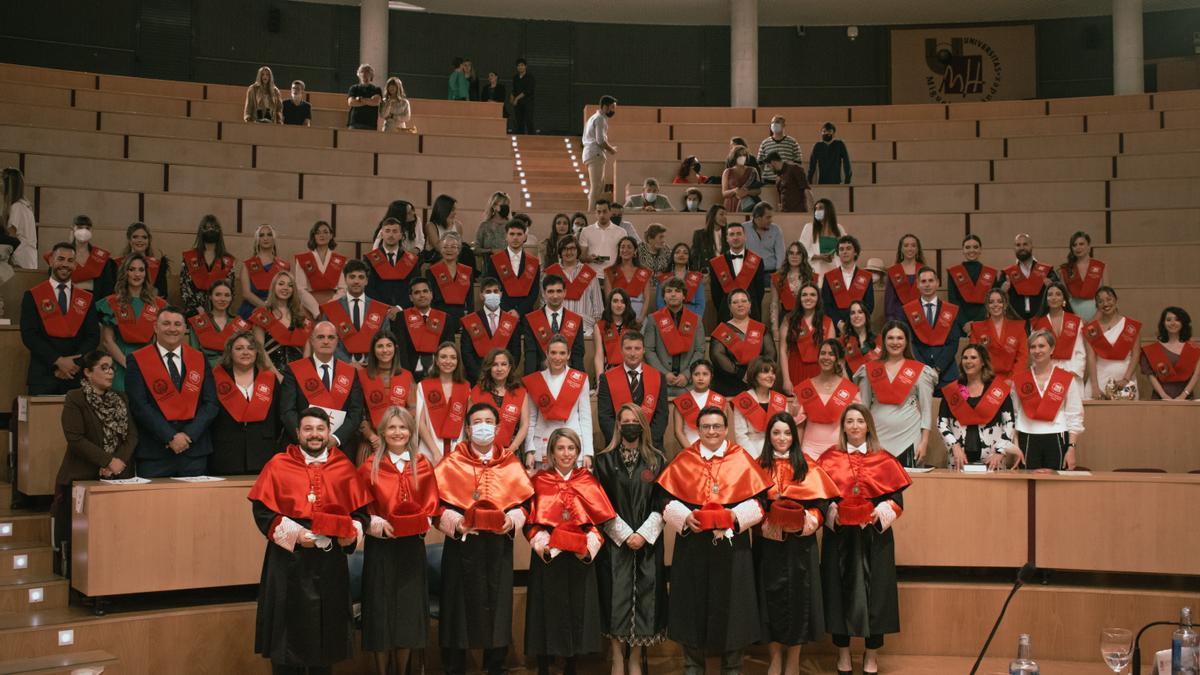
column 788, row 149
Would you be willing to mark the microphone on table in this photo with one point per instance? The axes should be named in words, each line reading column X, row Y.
column 1023, row 575
column 1137, row 646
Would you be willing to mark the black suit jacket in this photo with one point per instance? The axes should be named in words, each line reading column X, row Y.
column 408, row 354
column 43, row 349
column 608, row 415
column 535, row 358
column 292, row 400
column 831, row 309
column 473, row 361
column 758, row 288
column 155, row 430
column 240, row 448
column 523, row 305
column 391, row 291
column 939, row 357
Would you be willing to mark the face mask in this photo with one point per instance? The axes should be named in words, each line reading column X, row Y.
column 819, row 215
column 610, row 113
column 697, row 167
column 827, row 137
column 631, row 432
column 503, row 210
column 776, row 128
column 491, row 301
column 649, row 197
column 483, row 433
column 83, row 234
column 615, row 220
column 741, row 160
column 692, row 204
column 210, row 236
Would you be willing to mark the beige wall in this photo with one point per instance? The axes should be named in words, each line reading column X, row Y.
column 997, row 64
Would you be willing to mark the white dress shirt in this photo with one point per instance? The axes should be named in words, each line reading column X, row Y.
column 579, row 420
column 1068, row 418
column 737, row 262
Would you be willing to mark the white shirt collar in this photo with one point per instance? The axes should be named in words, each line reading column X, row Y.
column 399, row 459
column 350, row 298
column 1027, row 267
column 318, row 362
column 707, row 454
column 55, row 282
column 860, row 449
column 930, row 301
column 564, row 476
column 550, row 311
column 163, row 351
column 319, row 459
column 485, row 457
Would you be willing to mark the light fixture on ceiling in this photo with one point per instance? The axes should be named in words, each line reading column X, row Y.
column 404, row 6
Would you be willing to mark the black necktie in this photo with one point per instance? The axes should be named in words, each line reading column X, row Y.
column 737, row 256
column 176, row 376
column 391, row 258
column 929, row 313
column 62, row 298
column 554, row 322
column 633, row 383
column 325, row 377
column 356, row 315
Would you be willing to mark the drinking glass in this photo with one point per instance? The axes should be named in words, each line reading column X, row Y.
column 1115, row 646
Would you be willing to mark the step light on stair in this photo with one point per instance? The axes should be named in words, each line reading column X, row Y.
column 20, row 562
column 36, row 595
column 66, row 637
column 6, row 529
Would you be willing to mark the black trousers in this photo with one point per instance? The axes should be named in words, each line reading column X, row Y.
column 908, row 458
column 454, row 661
column 873, row 641
column 523, row 119
column 1044, row 451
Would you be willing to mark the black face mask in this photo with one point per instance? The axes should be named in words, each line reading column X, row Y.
column 827, row 137
column 697, row 167
column 210, row 236
column 631, row 432
column 503, row 210
column 610, row 113
column 615, row 220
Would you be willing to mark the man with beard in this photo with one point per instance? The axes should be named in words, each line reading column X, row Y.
column 1024, row 280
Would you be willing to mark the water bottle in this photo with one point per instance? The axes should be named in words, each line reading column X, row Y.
column 1024, row 663
column 1183, row 645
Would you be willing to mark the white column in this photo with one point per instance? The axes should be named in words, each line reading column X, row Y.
column 1127, row 47
column 743, row 53
column 373, row 37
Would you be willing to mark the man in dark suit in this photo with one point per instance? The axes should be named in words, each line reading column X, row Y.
column 847, row 283
column 517, row 271
column 935, row 329
column 420, row 330
column 326, row 382
column 391, row 268
column 633, row 381
column 738, row 267
column 357, row 317
column 58, row 326
column 489, row 328
column 173, row 400
column 552, row 319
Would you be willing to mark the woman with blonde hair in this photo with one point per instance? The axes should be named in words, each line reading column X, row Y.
column 138, row 239
column 264, row 103
column 395, row 605
column 127, row 317
column 258, row 270
column 631, row 567
column 395, row 110
column 490, row 235
column 281, row 326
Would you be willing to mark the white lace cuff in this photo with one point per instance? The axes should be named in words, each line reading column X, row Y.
column 518, row 519
column 887, row 515
column 449, row 523
column 594, row 542
column 540, row 541
column 358, row 534
column 618, row 530
column 831, row 515
column 811, row 523
column 375, row 529
column 675, row 514
column 748, row 514
column 652, row 528
column 772, row 531
column 287, row 533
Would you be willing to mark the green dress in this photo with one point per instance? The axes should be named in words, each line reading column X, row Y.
column 108, row 317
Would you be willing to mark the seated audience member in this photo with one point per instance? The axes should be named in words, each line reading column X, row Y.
column 679, row 266
column 207, row 261
column 652, row 253
column 128, row 316
column 489, row 328
column 674, row 337
column 442, row 401
column 617, row 317
column 650, row 199
column 517, row 270
column 795, row 194
column 616, row 213
column 385, row 384
column 281, row 326
column 829, row 161
column 395, row 109
column 1083, row 275
column 735, row 343
column 901, row 287
column 847, row 282
column 820, row 238
column 139, row 240
column 559, row 228
column 740, row 182
column 751, row 160
column 443, row 218
column 552, row 319
column 16, row 216
column 633, row 381
column 738, row 268
column 1172, row 363
column 357, row 317
column 246, row 430
column 94, row 271
column 451, row 281
column 1057, row 316
column 629, row 275
column 412, row 233
column 296, row 110
column 560, row 397
column 213, row 325
column 170, row 386
column 822, row 398
column 693, row 200
column 765, row 238
column 500, row 386
column 758, row 403
column 708, row 242
column 1112, row 355
column 599, row 240
column 263, row 101
column 363, row 101
column 794, row 272
column 259, row 269
column 777, row 142
column 1002, row 334
column 583, row 293
column 934, row 329
column 801, row 335
column 976, row 415
column 392, row 267
column 100, row 439
column 689, row 173
column 686, row 407
column 1024, row 279
column 490, row 236
column 1048, row 409
column 493, row 90
column 323, row 381
column 579, row 220
column 898, row 390
column 968, row 283
column 58, row 326
column 424, row 328
column 319, row 276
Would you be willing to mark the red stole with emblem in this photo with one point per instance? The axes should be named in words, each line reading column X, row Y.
column 752, row 410
column 744, row 348
column 1084, row 287
column 568, row 326
column 1114, row 351
column 860, row 285
column 827, row 412
column 445, row 416
column 240, row 408
column 855, row 357
column 454, row 291
column 610, row 337
column 1042, row 407
column 177, row 405
column 691, row 283
column 318, row 279
column 974, row 292
column 555, row 409
column 284, row 336
column 1064, row 342
column 724, row 274
column 936, row 334
column 425, row 336
column 1164, row 370
column 893, row 392
column 405, row 264
column 905, row 290
column 356, row 341
column 379, row 397
column 477, row 330
column 260, row 276
column 57, row 324
column 677, row 339
column 342, row 379
column 1006, row 349
column 635, row 287
column 618, row 388
column 201, row 274
column 509, row 408
column 207, row 334
column 515, row 286
column 787, row 299
column 689, row 411
column 982, row 412
column 1027, row 286
column 136, row 329
column 91, row 267
column 574, row 287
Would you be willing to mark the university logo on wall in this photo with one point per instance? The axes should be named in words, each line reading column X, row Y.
column 962, row 69
column 956, row 65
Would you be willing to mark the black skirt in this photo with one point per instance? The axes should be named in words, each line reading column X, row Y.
column 562, row 609
column 395, row 599
column 858, row 581
column 789, row 589
column 477, row 592
column 714, row 605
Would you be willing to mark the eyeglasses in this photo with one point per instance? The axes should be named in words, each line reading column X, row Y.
column 711, row 427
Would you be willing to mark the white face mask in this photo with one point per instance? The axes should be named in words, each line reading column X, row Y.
column 83, row 234
column 649, row 197
column 776, row 128
column 819, row 215
column 483, row 433
column 491, row 301
column 692, row 204
column 741, row 160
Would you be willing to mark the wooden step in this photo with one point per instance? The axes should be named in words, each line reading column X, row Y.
column 33, row 593
column 24, row 529
column 60, row 663
column 38, row 560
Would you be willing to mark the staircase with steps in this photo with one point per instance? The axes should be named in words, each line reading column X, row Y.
column 554, row 176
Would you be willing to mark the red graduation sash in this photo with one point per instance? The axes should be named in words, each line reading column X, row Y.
column 177, row 405
column 241, row 409
column 1064, row 342
column 380, row 397
column 893, row 392
column 1003, row 348
column 677, row 339
column 805, row 347
column 982, row 412
column 403, row 267
column 686, row 405
column 510, row 411
column 568, row 327
column 202, row 276
column 635, row 287
column 743, row 348
column 515, row 286
column 936, row 334
column 445, row 416
column 974, row 292
column 286, row 337
column 555, row 409
column 314, row 389
column 136, row 329
column 906, row 291
column 854, row 356
column 425, row 337
column 751, row 409
column 260, row 276
column 356, row 341
column 152, row 265
column 1116, row 351
column 319, row 280
column 209, row 337
column 454, row 291
column 480, row 339
column 843, row 296
column 828, row 412
column 1181, row 370
column 91, row 267
column 57, row 324
column 574, row 287
column 1027, row 286
column 787, row 299
column 1083, row 287
column 1038, row 406
column 611, row 338
column 720, row 268
column 691, row 283
column 618, row 388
